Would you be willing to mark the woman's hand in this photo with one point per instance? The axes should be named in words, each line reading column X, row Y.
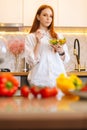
column 57, row 48
column 39, row 34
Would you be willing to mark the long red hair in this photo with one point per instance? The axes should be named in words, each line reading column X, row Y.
column 36, row 22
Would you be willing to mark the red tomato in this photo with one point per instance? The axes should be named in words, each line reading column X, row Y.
column 84, row 88
column 25, row 91
column 35, row 90
column 48, row 92
column 54, row 91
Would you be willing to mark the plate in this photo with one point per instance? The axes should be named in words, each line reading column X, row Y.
column 80, row 93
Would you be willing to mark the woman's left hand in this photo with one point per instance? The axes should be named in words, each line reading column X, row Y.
column 57, row 48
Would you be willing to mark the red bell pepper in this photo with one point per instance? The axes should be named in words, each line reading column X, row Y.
column 8, row 84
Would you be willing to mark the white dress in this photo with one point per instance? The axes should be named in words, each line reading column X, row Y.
column 49, row 64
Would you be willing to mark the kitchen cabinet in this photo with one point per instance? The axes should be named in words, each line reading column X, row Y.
column 68, row 13
column 72, row 13
column 11, row 11
column 30, row 9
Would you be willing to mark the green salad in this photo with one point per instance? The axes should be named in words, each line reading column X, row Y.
column 58, row 41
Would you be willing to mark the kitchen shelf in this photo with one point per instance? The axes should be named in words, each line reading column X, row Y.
column 20, row 73
column 82, row 73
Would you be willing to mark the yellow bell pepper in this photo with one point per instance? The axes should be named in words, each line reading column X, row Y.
column 76, row 81
column 68, row 83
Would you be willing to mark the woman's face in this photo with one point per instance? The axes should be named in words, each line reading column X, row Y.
column 45, row 18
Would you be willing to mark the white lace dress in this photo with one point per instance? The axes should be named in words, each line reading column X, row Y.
column 49, row 64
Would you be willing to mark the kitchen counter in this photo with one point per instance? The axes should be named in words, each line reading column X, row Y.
column 82, row 73
column 18, row 113
column 22, row 76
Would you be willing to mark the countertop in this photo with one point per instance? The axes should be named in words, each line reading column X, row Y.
column 82, row 73
column 19, row 113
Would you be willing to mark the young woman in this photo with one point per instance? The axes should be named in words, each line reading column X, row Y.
column 46, row 60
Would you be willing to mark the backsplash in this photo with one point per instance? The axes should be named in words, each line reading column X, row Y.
column 10, row 60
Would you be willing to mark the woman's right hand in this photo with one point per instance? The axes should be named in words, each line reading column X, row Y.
column 39, row 34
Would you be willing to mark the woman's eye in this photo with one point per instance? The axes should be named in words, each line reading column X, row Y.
column 44, row 15
column 48, row 16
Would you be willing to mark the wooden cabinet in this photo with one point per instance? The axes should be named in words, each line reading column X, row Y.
column 68, row 13
column 23, row 11
column 11, row 11
column 30, row 8
column 72, row 13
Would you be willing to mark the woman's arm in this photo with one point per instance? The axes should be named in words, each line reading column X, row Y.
column 38, row 36
column 32, row 45
column 30, row 42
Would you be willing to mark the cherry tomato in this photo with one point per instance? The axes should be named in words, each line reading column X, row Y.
column 48, row 92
column 54, row 91
column 35, row 90
column 25, row 91
column 84, row 88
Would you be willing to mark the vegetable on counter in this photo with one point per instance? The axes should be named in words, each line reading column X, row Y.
column 8, row 84
column 25, row 91
column 84, row 88
column 44, row 92
column 48, row 92
column 69, row 83
column 35, row 91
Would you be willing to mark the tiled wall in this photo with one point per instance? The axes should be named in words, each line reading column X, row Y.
column 82, row 37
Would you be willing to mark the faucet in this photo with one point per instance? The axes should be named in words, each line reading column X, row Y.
column 77, row 54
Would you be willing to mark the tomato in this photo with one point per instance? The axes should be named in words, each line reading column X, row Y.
column 35, row 90
column 54, row 91
column 84, row 88
column 25, row 91
column 48, row 92
column 8, row 84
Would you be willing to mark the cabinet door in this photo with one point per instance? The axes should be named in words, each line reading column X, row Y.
column 72, row 13
column 11, row 11
column 30, row 8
